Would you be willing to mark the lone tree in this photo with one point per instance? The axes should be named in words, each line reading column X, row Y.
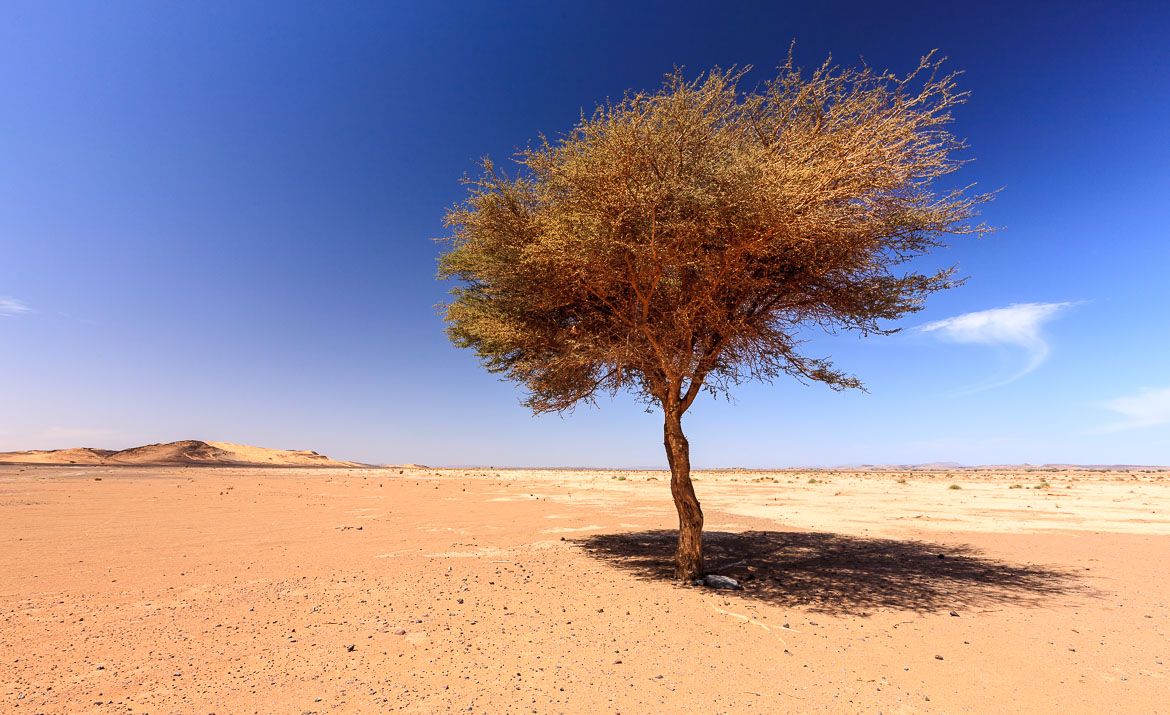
column 679, row 240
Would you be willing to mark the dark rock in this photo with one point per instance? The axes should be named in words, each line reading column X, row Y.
column 726, row 582
column 955, row 614
column 938, row 657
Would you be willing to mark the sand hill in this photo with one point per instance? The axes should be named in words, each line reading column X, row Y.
column 178, row 453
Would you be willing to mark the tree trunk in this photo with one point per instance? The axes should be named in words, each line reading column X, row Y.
column 688, row 559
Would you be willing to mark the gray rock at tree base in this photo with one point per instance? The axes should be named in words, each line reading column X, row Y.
column 717, row 581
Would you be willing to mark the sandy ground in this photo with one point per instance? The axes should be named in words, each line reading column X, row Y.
column 221, row 590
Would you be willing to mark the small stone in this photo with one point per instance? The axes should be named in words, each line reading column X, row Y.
column 349, row 648
column 955, row 614
column 459, row 600
column 938, row 657
column 399, row 632
column 725, row 582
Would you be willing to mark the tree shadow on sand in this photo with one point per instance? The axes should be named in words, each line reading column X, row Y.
column 834, row 573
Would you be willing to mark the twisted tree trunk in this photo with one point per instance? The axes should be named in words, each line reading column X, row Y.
column 688, row 559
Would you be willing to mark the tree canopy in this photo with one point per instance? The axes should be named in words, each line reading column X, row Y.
column 681, row 239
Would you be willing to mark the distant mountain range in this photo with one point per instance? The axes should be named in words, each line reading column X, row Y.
column 186, row 452
column 226, row 454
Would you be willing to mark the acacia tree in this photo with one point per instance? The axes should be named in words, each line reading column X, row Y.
column 679, row 241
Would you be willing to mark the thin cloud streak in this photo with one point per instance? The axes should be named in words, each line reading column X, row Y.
column 1018, row 324
column 12, row 306
column 1145, row 409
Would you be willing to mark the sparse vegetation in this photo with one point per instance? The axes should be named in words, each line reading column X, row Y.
column 954, row 486
column 813, row 480
column 1016, row 486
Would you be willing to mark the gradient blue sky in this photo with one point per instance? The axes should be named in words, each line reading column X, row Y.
column 215, row 222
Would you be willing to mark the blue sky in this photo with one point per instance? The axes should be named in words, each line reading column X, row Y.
column 215, row 222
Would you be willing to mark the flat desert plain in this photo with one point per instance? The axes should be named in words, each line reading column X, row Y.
column 232, row 590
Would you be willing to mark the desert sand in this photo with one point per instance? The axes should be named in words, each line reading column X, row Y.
column 182, row 453
column 245, row 590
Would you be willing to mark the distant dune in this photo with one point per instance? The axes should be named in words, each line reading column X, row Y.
column 178, row 453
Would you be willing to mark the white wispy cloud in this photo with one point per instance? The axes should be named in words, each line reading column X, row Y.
column 1018, row 324
column 1145, row 409
column 12, row 306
